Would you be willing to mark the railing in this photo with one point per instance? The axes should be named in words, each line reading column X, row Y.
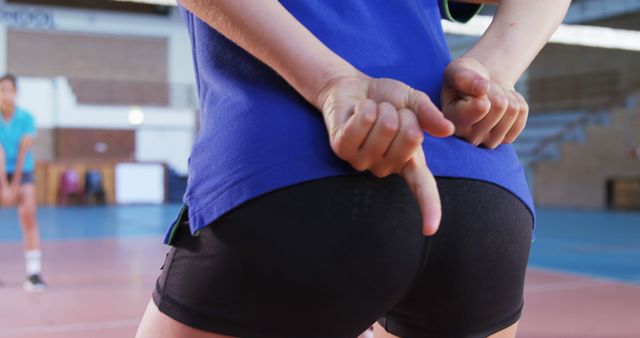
column 543, row 145
column 590, row 95
column 133, row 93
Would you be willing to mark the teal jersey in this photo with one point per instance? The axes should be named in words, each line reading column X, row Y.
column 12, row 131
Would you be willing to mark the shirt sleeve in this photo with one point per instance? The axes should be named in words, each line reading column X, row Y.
column 457, row 11
column 30, row 127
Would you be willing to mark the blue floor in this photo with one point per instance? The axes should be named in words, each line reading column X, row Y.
column 93, row 222
column 594, row 243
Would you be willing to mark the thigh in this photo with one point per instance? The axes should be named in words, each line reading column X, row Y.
column 473, row 281
column 323, row 258
column 27, row 197
column 156, row 324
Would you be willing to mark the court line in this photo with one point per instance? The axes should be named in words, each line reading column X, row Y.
column 72, row 327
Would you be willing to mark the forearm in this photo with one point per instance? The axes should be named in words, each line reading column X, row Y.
column 269, row 32
column 25, row 144
column 17, row 172
column 3, row 169
column 517, row 34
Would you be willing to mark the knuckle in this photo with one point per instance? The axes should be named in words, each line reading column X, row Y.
column 345, row 153
column 492, row 142
column 369, row 116
column 381, row 172
column 512, row 113
column 389, row 127
column 338, row 147
column 412, row 137
column 500, row 103
column 475, row 139
column 490, row 145
column 458, row 79
column 482, row 106
column 359, row 164
column 423, row 96
column 514, row 106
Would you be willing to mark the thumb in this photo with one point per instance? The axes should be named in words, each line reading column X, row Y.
column 466, row 81
column 429, row 116
column 424, row 188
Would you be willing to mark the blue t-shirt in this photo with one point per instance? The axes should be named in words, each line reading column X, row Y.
column 257, row 134
column 21, row 124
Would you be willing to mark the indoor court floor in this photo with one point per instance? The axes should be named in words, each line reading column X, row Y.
column 101, row 263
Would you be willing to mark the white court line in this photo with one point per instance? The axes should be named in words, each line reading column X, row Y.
column 64, row 328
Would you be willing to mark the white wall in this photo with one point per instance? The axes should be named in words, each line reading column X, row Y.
column 166, row 135
column 37, row 96
column 3, row 48
column 180, row 58
column 139, row 183
column 172, row 146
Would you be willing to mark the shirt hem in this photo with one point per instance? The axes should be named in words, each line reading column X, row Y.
column 201, row 215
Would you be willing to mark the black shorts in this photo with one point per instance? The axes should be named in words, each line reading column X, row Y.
column 27, row 178
column 327, row 258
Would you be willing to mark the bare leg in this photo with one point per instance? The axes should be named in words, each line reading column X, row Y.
column 509, row 332
column 156, row 324
column 27, row 215
column 366, row 334
column 380, row 332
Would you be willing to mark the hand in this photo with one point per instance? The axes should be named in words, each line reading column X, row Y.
column 485, row 110
column 377, row 125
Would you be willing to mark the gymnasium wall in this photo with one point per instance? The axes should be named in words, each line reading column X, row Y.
column 592, row 78
column 580, row 176
column 87, row 56
column 113, row 28
column 83, row 71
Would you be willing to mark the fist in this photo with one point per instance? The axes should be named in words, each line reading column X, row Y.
column 485, row 112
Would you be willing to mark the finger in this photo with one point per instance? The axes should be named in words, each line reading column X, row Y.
column 510, row 116
column 401, row 96
column 348, row 138
column 521, row 121
column 406, row 142
column 466, row 81
column 467, row 111
column 430, row 117
column 424, row 188
column 499, row 104
column 380, row 138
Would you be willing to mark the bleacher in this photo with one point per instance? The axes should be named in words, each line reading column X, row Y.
column 546, row 131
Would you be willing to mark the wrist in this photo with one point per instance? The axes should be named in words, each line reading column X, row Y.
column 327, row 80
column 498, row 72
